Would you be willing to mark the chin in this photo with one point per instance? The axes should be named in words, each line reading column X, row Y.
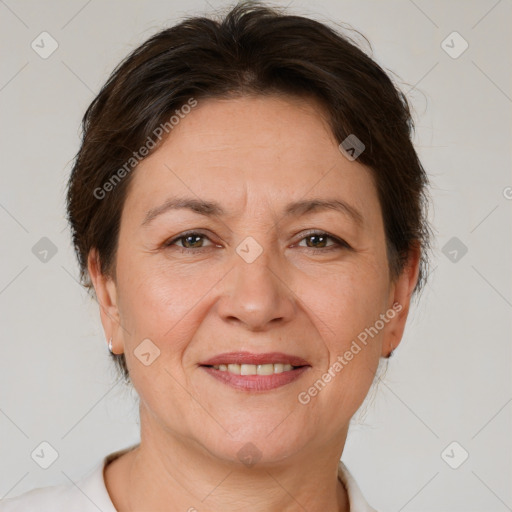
column 252, row 444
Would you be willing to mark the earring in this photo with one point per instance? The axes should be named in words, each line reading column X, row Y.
column 110, row 345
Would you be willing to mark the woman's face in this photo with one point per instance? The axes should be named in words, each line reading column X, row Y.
column 256, row 275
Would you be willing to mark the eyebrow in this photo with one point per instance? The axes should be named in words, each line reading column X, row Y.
column 213, row 209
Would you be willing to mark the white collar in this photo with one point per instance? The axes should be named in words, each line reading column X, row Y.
column 356, row 499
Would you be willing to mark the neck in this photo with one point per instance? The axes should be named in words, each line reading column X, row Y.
column 168, row 469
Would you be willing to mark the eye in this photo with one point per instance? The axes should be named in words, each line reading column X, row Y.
column 318, row 240
column 315, row 241
column 190, row 240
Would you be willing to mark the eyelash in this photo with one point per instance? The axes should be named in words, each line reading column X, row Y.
column 338, row 242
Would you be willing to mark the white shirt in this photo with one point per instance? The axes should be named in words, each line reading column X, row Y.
column 90, row 493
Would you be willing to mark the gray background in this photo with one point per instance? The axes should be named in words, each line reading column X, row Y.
column 450, row 380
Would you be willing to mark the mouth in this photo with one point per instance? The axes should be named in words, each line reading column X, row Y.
column 255, row 369
column 255, row 372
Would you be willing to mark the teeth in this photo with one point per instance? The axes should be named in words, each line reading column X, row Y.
column 265, row 369
column 233, row 368
column 279, row 368
column 254, row 369
column 248, row 369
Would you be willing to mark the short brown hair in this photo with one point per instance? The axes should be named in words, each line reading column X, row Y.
column 254, row 49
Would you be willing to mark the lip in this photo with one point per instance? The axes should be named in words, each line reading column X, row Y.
column 252, row 358
column 256, row 382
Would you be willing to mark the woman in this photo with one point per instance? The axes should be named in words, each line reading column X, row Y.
column 250, row 213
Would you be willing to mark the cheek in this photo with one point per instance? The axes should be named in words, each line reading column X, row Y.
column 162, row 303
column 353, row 303
column 350, row 301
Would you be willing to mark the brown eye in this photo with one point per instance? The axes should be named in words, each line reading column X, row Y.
column 316, row 241
column 189, row 241
column 319, row 240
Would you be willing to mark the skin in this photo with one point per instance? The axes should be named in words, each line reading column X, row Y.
column 253, row 155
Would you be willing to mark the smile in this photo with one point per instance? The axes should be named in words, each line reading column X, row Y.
column 255, row 372
column 255, row 369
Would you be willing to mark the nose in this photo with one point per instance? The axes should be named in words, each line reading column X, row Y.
column 257, row 294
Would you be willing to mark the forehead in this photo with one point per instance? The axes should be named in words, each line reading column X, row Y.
column 270, row 149
column 265, row 122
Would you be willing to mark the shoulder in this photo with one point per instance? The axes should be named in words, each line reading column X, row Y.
column 57, row 498
column 88, row 494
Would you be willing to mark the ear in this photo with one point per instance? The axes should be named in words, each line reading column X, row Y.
column 106, row 294
column 399, row 301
